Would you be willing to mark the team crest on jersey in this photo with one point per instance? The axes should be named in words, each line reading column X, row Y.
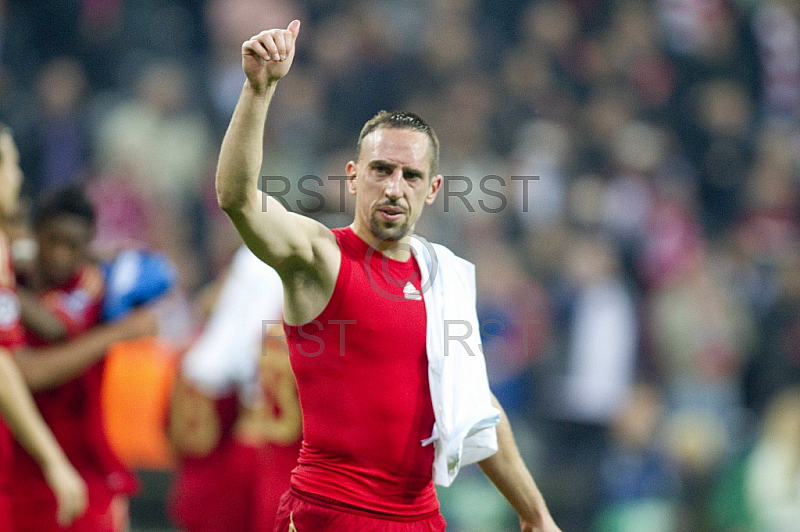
column 411, row 293
column 9, row 308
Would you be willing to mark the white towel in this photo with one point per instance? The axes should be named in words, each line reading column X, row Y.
column 464, row 431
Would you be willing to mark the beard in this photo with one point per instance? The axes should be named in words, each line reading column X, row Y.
column 384, row 231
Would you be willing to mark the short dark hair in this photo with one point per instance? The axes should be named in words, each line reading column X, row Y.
column 67, row 201
column 402, row 120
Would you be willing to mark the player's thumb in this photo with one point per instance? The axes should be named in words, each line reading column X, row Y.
column 294, row 27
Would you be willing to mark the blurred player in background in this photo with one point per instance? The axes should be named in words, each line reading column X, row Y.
column 235, row 418
column 369, row 415
column 17, row 409
column 62, row 304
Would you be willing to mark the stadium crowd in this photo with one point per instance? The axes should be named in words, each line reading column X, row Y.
column 624, row 174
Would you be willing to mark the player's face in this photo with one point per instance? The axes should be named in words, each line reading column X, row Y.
column 63, row 248
column 392, row 181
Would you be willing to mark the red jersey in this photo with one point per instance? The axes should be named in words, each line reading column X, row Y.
column 11, row 337
column 73, row 412
column 362, row 376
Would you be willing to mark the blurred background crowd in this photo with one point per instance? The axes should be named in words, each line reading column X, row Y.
column 639, row 295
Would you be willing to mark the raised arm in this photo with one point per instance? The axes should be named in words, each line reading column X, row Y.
column 29, row 429
column 303, row 251
column 508, row 472
column 275, row 235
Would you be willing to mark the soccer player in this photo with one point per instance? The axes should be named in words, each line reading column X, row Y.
column 17, row 409
column 364, row 332
column 235, row 417
column 63, row 364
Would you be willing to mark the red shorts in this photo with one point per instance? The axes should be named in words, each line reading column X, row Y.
column 301, row 512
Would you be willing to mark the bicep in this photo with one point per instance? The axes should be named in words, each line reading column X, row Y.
column 275, row 235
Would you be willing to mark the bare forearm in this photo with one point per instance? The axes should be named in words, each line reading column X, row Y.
column 241, row 153
column 23, row 418
column 48, row 367
column 272, row 233
column 38, row 318
column 266, row 58
column 508, row 472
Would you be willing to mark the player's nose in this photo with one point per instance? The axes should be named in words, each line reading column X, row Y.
column 394, row 185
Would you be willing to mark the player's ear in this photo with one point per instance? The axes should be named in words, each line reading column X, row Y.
column 351, row 170
column 436, row 183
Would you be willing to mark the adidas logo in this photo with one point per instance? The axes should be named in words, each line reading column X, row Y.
column 411, row 293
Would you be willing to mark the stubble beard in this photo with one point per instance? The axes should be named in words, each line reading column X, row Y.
column 388, row 233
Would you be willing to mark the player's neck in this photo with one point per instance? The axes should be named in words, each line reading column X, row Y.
column 399, row 250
